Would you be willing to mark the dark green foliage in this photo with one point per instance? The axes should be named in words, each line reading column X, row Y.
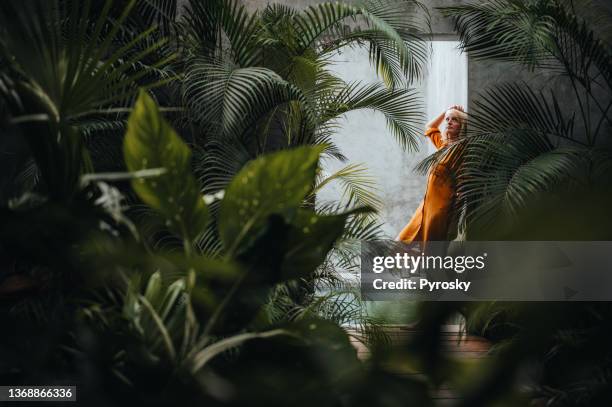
column 60, row 67
column 131, row 323
column 524, row 148
column 532, row 168
column 151, row 144
column 194, row 282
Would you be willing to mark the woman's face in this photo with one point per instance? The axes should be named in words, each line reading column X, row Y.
column 453, row 119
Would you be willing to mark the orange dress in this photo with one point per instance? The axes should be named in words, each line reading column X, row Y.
column 432, row 219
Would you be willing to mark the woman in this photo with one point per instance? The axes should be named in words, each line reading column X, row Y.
column 432, row 220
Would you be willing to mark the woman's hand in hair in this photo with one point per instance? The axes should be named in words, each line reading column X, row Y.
column 437, row 121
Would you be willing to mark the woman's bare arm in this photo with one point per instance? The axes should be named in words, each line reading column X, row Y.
column 435, row 122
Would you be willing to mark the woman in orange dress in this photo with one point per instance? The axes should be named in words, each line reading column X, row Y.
column 432, row 219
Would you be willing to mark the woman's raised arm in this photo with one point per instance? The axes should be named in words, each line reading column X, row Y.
column 435, row 122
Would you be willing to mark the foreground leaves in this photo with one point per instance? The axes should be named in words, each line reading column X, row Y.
column 150, row 143
column 270, row 184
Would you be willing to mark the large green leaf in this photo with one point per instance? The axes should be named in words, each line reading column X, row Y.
column 309, row 242
column 282, row 249
column 149, row 143
column 271, row 184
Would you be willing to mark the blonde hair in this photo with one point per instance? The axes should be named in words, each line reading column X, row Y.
column 462, row 122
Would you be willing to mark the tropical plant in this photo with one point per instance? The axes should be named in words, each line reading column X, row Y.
column 261, row 82
column 222, row 56
column 534, row 168
column 61, row 71
column 156, row 326
column 525, row 148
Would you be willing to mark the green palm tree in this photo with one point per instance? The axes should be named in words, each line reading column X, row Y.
column 65, row 69
column 526, row 150
column 535, row 165
column 261, row 82
column 249, row 84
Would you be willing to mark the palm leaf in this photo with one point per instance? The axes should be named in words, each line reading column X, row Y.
column 516, row 106
column 393, row 32
column 501, row 112
column 516, row 176
column 507, row 30
column 159, row 12
column 228, row 100
column 359, row 188
column 200, row 358
column 545, row 33
column 401, row 108
column 64, row 67
column 217, row 164
column 218, row 25
column 579, row 48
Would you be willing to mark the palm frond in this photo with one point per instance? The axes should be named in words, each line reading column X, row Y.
column 217, row 26
column 99, row 125
column 209, row 243
column 393, row 67
column 228, row 100
column 159, row 12
column 402, row 109
column 516, row 176
column 541, row 174
column 394, row 32
column 359, row 188
column 509, row 157
column 390, row 57
column 339, row 302
column 219, row 161
column 325, row 135
column 501, row 112
column 347, row 251
column 579, row 48
column 507, row 30
column 516, row 106
column 65, row 67
column 535, row 33
column 73, row 71
column 364, row 226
